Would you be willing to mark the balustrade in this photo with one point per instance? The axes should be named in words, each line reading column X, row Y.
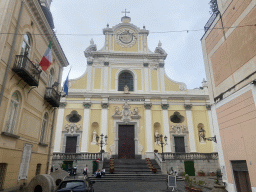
column 76, row 156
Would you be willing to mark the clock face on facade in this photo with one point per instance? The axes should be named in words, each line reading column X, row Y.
column 126, row 37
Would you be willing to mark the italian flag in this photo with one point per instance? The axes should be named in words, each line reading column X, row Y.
column 47, row 58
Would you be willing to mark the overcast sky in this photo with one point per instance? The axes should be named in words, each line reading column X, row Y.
column 184, row 62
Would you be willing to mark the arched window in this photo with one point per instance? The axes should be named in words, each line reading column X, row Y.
column 26, row 45
column 125, row 78
column 44, row 127
column 13, row 112
column 51, row 78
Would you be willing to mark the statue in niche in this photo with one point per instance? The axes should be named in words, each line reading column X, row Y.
column 135, row 111
column 126, row 89
column 94, row 134
column 117, row 112
column 201, row 137
column 156, row 135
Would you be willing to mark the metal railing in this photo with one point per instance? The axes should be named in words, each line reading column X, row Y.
column 191, row 156
column 52, row 96
column 210, row 21
column 76, row 156
column 27, row 70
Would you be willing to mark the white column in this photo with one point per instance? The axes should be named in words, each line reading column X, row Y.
column 214, row 145
column 219, row 145
column 86, row 121
column 148, row 128
column 89, row 77
column 104, row 120
column 162, row 79
column 59, row 126
column 105, row 80
column 192, row 142
column 166, row 127
column 146, row 79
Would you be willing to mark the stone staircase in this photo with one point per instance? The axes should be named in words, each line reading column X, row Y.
column 131, row 170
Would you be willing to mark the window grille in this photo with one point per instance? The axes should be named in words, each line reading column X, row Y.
column 38, row 169
column 125, row 78
column 3, row 167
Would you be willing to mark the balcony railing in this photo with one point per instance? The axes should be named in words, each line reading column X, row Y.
column 191, row 156
column 76, row 156
column 26, row 70
column 52, row 97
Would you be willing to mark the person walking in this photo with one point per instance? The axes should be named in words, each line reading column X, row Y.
column 85, row 171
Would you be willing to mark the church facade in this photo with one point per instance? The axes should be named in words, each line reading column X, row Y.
column 126, row 95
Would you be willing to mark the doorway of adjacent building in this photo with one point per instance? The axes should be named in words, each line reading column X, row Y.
column 179, row 144
column 241, row 176
column 189, row 168
column 126, row 145
column 3, row 167
column 67, row 166
column 71, row 144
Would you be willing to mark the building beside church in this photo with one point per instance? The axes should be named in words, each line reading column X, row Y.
column 229, row 57
column 28, row 99
column 126, row 95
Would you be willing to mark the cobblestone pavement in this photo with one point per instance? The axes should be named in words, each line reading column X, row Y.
column 137, row 187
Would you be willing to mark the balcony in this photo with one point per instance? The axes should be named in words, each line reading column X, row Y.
column 26, row 70
column 210, row 21
column 52, row 97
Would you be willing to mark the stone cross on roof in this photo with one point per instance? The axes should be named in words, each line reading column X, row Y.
column 125, row 12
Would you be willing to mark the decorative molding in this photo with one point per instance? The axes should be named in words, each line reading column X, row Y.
column 10, row 135
column 208, row 107
column 106, row 63
column 182, row 87
column 148, row 105
column 161, row 65
column 165, row 106
column 127, row 99
column 89, row 62
column 72, row 128
column 126, row 37
column 179, row 129
column 104, row 105
column 145, row 64
column 87, row 105
column 63, row 104
column 188, row 106
column 126, row 115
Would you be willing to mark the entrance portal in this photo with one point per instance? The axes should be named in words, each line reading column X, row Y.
column 126, row 146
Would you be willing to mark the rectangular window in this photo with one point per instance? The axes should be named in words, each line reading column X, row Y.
column 42, row 138
column 24, row 166
column 38, row 169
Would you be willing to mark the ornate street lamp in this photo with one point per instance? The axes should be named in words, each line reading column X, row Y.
column 201, row 134
column 160, row 142
column 102, row 143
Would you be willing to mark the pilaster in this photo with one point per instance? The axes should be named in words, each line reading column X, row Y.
column 105, row 80
column 104, row 119
column 146, row 78
column 166, row 126
column 59, row 126
column 162, row 78
column 87, row 106
column 190, row 128
column 89, row 77
column 148, row 117
column 214, row 145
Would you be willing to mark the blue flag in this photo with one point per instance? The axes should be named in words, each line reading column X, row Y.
column 66, row 86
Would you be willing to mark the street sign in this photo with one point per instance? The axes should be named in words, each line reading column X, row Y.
column 172, row 181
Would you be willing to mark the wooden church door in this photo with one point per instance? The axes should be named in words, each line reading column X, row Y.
column 126, row 145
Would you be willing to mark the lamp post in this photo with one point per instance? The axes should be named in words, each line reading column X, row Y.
column 102, row 143
column 160, row 142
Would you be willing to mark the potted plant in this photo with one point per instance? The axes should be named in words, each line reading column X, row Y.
column 187, row 182
column 156, row 151
column 200, row 183
column 211, row 174
column 191, row 187
column 201, row 173
column 154, row 170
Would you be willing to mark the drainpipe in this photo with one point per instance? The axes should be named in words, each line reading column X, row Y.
column 11, row 53
column 53, row 121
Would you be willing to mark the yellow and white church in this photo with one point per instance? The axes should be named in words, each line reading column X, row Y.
column 126, row 95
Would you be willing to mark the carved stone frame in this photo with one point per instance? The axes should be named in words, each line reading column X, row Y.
column 114, row 146
column 186, row 142
column 65, row 135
